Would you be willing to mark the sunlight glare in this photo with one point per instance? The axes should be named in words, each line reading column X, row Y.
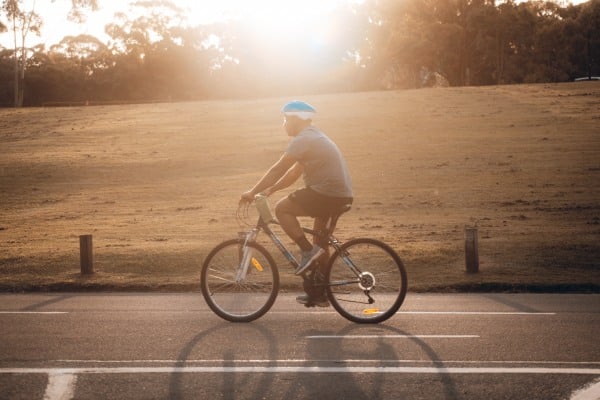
column 277, row 20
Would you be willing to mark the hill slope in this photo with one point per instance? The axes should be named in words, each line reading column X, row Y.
column 157, row 185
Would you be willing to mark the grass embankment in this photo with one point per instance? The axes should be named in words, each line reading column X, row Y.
column 157, row 185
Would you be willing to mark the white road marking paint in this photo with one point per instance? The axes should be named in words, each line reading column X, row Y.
column 477, row 313
column 61, row 386
column 589, row 392
column 346, row 361
column 304, row 369
column 34, row 312
column 425, row 312
column 393, row 337
column 61, row 381
column 334, row 312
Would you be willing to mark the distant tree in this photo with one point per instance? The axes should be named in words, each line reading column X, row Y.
column 23, row 22
column 146, row 47
column 87, row 58
column 588, row 28
column 6, row 76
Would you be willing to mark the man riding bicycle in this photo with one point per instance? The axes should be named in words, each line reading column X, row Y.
column 328, row 187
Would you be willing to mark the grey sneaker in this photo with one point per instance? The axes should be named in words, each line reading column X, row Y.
column 308, row 301
column 307, row 258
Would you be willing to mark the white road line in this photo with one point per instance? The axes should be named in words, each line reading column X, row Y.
column 393, row 337
column 334, row 312
column 344, row 361
column 477, row 313
column 424, row 312
column 304, row 369
column 34, row 312
column 589, row 392
column 61, row 386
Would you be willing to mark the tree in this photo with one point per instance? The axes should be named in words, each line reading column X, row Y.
column 21, row 24
column 588, row 22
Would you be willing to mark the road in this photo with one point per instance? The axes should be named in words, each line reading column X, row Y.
column 161, row 346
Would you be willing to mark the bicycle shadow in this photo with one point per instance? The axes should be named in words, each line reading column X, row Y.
column 53, row 300
column 335, row 352
column 359, row 386
column 231, row 381
column 510, row 302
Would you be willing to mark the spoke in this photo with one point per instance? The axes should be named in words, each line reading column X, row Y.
column 221, row 278
column 354, row 301
column 344, row 283
column 395, row 288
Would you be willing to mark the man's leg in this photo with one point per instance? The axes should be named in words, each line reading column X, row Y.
column 287, row 213
column 320, row 225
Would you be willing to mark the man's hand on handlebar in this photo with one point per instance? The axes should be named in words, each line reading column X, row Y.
column 246, row 198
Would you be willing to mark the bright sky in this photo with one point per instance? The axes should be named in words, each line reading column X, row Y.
column 273, row 16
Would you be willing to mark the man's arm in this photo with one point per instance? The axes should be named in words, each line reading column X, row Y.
column 289, row 178
column 273, row 175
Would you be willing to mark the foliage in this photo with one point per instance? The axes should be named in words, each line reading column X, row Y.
column 155, row 55
column 478, row 42
column 21, row 23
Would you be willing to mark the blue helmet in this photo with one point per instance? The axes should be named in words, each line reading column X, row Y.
column 299, row 109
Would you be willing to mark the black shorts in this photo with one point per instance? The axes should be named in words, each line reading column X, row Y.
column 318, row 205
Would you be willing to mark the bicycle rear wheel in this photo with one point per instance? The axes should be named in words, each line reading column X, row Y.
column 377, row 292
column 239, row 298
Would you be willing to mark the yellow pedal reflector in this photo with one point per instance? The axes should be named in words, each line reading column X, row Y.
column 369, row 311
column 257, row 264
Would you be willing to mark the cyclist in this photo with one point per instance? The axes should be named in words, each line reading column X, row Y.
column 328, row 186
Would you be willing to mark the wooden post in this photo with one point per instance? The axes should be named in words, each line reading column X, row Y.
column 471, row 250
column 86, row 254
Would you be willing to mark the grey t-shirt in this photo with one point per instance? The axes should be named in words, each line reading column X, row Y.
column 325, row 170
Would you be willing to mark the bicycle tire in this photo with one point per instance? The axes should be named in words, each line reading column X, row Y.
column 242, row 301
column 378, row 262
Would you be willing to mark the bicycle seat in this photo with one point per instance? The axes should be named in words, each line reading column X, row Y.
column 335, row 216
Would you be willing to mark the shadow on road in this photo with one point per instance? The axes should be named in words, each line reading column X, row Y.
column 53, row 300
column 259, row 337
column 337, row 352
column 511, row 302
column 356, row 386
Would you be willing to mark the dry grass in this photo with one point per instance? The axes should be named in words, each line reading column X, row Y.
column 157, row 185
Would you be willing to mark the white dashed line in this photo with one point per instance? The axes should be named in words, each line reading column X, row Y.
column 61, row 386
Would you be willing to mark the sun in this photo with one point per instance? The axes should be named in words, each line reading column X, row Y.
column 278, row 20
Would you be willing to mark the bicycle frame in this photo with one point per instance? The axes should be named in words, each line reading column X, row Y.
column 264, row 226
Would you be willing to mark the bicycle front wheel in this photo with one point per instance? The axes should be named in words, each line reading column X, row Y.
column 236, row 293
column 373, row 289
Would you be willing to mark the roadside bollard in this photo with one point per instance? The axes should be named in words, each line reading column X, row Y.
column 471, row 250
column 86, row 254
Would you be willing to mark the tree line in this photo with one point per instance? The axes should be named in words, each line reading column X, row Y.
column 154, row 54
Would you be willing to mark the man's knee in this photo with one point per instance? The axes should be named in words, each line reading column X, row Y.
column 284, row 207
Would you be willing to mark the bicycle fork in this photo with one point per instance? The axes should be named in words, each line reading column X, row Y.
column 245, row 254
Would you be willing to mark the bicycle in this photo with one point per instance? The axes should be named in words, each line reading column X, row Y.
column 364, row 279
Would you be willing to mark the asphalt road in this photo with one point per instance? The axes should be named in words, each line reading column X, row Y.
column 160, row 346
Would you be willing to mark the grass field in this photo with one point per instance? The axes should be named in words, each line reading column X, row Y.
column 157, row 185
